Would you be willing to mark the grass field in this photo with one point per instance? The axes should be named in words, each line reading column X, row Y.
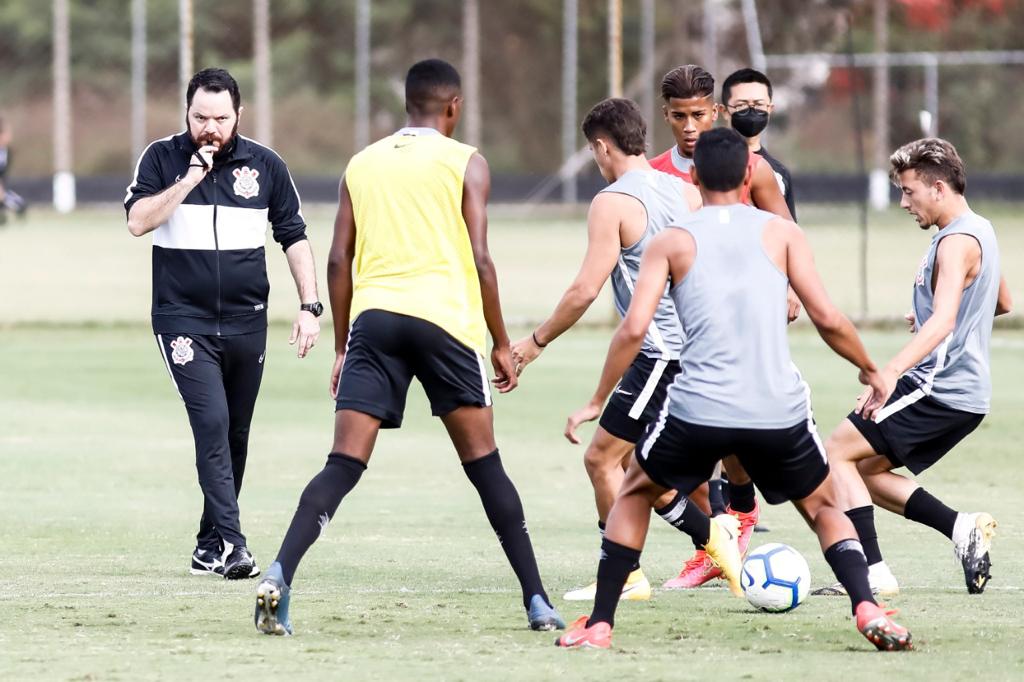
column 100, row 502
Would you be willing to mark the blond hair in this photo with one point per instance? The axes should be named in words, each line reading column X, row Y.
column 934, row 159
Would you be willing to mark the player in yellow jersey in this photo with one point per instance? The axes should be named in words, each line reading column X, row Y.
column 413, row 294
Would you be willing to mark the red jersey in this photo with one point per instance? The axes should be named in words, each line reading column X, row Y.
column 667, row 164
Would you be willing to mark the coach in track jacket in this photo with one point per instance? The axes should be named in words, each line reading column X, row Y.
column 207, row 195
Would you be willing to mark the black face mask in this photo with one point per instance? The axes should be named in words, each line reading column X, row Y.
column 750, row 122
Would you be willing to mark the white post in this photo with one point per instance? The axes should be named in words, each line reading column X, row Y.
column 185, row 40
column 931, row 97
column 615, row 48
column 471, row 69
column 710, row 37
column 570, row 73
column 261, row 71
column 362, row 128
column 878, row 188
column 647, row 41
column 63, row 178
column 753, row 26
column 138, row 78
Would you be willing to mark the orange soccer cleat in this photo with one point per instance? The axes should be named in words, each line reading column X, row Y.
column 698, row 570
column 579, row 636
column 747, row 522
column 875, row 624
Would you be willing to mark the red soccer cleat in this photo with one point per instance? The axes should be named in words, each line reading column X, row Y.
column 747, row 522
column 697, row 571
column 875, row 624
column 579, row 636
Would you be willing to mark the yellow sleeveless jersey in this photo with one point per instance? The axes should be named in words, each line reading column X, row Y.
column 412, row 250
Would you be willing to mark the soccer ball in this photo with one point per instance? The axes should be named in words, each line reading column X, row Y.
column 775, row 578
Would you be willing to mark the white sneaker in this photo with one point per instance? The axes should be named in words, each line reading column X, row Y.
column 883, row 583
column 972, row 540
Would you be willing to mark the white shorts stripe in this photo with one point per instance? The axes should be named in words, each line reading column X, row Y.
column 167, row 364
column 645, row 395
column 659, row 426
column 812, row 428
column 894, row 407
column 483, row 378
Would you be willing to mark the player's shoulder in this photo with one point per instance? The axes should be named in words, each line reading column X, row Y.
column 260, row 152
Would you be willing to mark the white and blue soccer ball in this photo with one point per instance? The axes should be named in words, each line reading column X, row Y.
column 775, row 578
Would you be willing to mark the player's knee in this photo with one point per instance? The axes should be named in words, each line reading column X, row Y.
column 211, row 425
column 599, row 461
column 873, row 466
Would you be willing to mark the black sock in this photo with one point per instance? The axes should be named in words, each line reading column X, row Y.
column 846, row 558
column 715, row 497
column 612, row 572
column 864, row 522
column 741, row 496
column 505, row 512
column 924, row 508
column 688, row 518
column 317, row 505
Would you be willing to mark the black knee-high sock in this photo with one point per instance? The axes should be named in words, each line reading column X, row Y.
column 924, row 508
column 716, row 498
column 317, row 505
column 688, row 518
column 505, row 512
column 846, row 558
column 741, row 496
column 612, row 572
column 601, row 526
column 863, row 519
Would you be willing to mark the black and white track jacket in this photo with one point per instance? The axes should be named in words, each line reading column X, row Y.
column 209, row 265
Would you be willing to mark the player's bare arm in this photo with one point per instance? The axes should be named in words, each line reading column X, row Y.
column 629, row 336
column 603, row 243
column 765, row 193
column 693, row 198
column 306, row 328
column 339, row 278
column 476, row 189
column 149, row 213
column 1004, row 304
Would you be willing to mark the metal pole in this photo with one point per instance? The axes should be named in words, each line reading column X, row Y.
column 261, row 71
column 362, row 130
column 647, row 45
column 471, row 69
column 880, row 153
column 710, row 37
column 615, row 48
column 753, row 26
column 63, row 178
column 570, row 73
column 138, row 78
column 862, row 205
column 185, row 42
column 931, row 97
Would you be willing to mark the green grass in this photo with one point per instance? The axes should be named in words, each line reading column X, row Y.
column 100, row 503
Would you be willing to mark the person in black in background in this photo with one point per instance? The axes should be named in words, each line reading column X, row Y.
column 9, row 200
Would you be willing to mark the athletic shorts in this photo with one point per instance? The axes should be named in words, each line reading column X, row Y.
column 638, row 397
column 913, row 429
column 785, row 464
column 386, row 350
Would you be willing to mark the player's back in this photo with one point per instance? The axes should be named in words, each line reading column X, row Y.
column 957, row 372
column 665, row 203
column 412, row 254
column 736, row 366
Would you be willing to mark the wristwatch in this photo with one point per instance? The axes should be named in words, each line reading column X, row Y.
column 317, row 308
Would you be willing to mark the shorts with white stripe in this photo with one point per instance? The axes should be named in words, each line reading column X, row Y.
column 785, row 464
column 386, row 350
column 638, row 398
column 913, row 429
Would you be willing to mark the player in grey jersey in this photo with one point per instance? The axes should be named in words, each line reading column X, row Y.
column 938, row 387
column 737, row 393
column 624, row 217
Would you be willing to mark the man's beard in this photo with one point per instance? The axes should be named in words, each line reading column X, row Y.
column 224, row 147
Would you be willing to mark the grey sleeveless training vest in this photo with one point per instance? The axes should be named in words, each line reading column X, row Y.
column 662, row 197
column 957, row 372
column 736, row 367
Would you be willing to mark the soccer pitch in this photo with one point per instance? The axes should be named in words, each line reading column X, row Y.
column 100, row 497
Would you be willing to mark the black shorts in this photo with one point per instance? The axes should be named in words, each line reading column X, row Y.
column 386, row 350
column 913, row 429
column 638, row 398
column 785, row 464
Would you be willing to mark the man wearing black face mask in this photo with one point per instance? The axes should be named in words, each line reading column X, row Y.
column 747, row 107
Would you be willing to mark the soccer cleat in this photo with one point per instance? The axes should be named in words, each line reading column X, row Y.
column 698, row 570
column 724, row 551
column 883, row 583
column 579, row 636
column 875, row 624
column 972, row 540
column 637, row 588
column 240, row 564
column 272, row 597
column 206, row 562
column 543, row 616
column 748, row 522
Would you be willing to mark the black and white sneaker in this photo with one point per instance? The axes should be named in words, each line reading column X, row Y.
column 240, row 564
column 207, row 562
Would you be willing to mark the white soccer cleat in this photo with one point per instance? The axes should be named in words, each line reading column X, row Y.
column 972, row 540
column 883, row 583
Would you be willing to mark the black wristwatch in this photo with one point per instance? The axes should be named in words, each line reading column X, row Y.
column 317, row 308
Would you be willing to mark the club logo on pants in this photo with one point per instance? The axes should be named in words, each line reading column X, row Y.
column 181, row 351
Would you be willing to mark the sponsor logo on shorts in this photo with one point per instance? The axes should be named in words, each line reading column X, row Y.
column 181, row 351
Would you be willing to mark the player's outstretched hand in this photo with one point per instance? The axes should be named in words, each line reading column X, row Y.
column 339, row 362
column 587, row 413
column 793, row 306
column 525, row 351
column 880, row 386
column 305, row 331
column 911, row 322
column 505, row 377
